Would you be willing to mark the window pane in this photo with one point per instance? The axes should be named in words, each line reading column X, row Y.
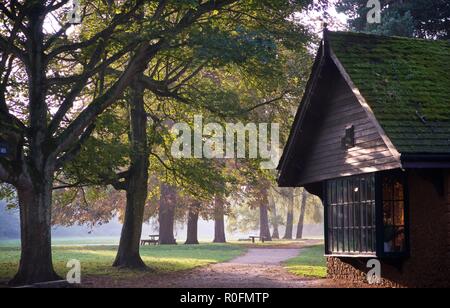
column 335, row 241
column 364, row 240
column 339, row 192
column 363, row 214
column 374, row 215
column 399, row 241
column 358, row 240
column 351, row 228
column 398, row 190
column 350, row 190
column 374, row 241
column 363, row 190
column 399, row 213
column 333, row 192
column 351, row 213
column 330, row 226
column 388, row 213
column 388, row 192
column 329, row 193
column 345, row 191
column 393, row 214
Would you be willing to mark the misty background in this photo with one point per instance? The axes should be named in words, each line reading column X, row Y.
column 10, row 229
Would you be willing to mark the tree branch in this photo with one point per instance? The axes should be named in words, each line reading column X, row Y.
column 76, row 89
column 268, row 102
column 10, row 48
column 70, row 155
column 118, row 19
column 137, row 66
column 87, row 116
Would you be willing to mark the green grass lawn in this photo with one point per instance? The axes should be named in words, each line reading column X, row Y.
column 310, row 263
column 97, row 260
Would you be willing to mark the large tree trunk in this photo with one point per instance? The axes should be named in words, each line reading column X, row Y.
column 35, row 189
column 192, row 227
column 264, row 229
column 290, row 216
column 35, row 224
column 167, row 206
column 137, row 190
column 273, row 206
column 301, row 220
column 219, row 221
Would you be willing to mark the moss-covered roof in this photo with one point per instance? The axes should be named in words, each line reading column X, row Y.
column 407, row 84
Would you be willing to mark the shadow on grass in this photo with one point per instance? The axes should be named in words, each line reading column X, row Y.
column 97, row 260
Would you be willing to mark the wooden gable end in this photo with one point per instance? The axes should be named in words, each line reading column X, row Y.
column 322, row 151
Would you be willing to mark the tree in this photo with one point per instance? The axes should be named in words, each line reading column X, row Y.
column 264, row 229
column 173, row 76
column 219, row 220
column 192, row 225
column 290, row 195
column 64, row 77
column 136, row 186
column 41, row 141
column 301, row 219
column 419, row 18
column 55, row 74
column 274, row 217
column 167, row 206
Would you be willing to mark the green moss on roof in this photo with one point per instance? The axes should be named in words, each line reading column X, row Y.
column 407, row 84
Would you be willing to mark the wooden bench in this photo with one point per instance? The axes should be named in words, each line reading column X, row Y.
column 154, row 239
column 261, row 238
column 149, row 242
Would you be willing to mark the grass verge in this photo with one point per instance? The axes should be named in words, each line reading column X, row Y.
column 310, row 263
column 97, row 261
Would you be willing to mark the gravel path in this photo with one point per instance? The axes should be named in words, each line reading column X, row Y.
column 263, row 256
column 258, row 268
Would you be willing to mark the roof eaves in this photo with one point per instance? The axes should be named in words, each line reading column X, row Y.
column 312, row 83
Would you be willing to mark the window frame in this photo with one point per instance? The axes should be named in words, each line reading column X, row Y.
column 379, row 213
column 379, row 221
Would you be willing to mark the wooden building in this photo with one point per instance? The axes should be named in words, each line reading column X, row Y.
column 371, row 138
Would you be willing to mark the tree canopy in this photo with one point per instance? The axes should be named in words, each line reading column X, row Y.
column 419, row 18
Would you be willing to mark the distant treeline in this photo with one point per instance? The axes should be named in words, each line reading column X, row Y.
column 9, row 222
column 10, row 226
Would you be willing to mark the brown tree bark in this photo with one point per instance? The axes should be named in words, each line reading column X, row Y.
column 219, row 221
column 35, row 221
column 264, row 229
column 192, row 227
column 136, row 184
column 167, row 207
column 301, row 219
column 273, row 206
column 33, row 176
column 290, row 216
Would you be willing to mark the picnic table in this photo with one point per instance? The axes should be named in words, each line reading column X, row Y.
column 254, row 237
column 154, row 239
